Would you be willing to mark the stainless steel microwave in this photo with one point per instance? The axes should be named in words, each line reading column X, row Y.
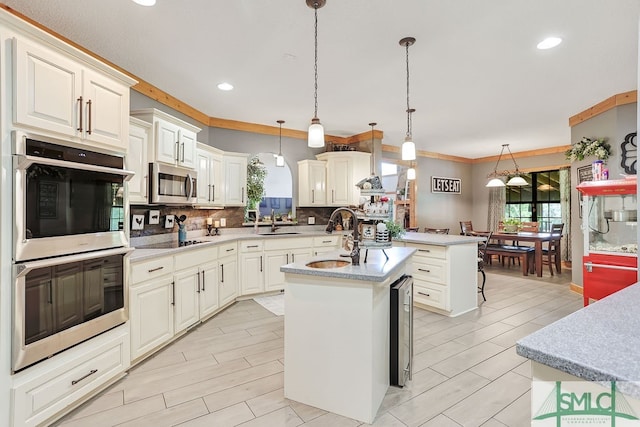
column 170, row 185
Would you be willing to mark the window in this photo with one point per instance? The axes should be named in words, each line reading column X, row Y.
column 541, row 205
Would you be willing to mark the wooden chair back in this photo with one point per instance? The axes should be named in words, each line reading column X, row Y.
column 436, row 230
column 413, row 229
column 530, row 226
column 466, row 227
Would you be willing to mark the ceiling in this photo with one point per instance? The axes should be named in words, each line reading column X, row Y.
column 476, row 78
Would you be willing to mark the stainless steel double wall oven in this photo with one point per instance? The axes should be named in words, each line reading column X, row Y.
column 70, row 246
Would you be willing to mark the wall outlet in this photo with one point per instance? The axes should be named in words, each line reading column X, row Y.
column 223, row 222
column 311, row 220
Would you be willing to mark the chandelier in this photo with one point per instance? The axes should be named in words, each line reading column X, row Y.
column 280, row 157
column 315, row 137
column 495, row 176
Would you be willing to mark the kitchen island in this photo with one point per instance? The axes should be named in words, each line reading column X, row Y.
column 337, row 332
column 597, row 343
column 445, row 271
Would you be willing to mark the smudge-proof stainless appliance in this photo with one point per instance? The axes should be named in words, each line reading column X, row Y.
column 66, row 200
column 401, row 357
column 171, row 185
column 70, row 246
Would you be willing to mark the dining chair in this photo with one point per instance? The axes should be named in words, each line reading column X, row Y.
column 530, row 226
column 413, row 229
column 551, row 253
column 436, row 230
column 482, row 255
column 466, row 228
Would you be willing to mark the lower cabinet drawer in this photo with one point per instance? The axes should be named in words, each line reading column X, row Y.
column 434, row 296
column 54, row 385
column 147, row 270
column 432, row 270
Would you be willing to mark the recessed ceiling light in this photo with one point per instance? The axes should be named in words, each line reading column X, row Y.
column 145, row 2
column 225, row 86
column 549, row 42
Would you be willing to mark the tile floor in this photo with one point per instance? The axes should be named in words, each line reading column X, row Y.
column 229, row 370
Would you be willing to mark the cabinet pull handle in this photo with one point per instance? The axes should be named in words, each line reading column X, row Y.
column 287, row 258
column 426, row 271
column 79, row 129
column 333, row 199
column 326, row 241
column 213, row 193
column 91, row 372
column 260, row 263
column 424, row 250
column 146, row 186
column 229, row 250
column 313, row 196
column 209, row 195
column 222, row 269
column 242, row 195
column 182, row 146
column 252, row 246
column 50, row 287
column 198, row 290
column 173, row 293
column 177, row 151
column 89, row 117
column 422, row 293
column 293, row 257
column 155, row 269
column 202, row 280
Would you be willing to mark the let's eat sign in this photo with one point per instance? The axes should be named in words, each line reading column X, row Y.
column 441, row 184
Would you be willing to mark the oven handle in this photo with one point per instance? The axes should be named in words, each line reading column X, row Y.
column 22, row 162
column 589, row 267
column 24, row 268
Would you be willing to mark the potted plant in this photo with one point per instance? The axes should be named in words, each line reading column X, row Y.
column 511, row 225
column 256, row 173
column 394, row 229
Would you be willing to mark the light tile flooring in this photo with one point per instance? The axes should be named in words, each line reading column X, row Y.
column 229, row 370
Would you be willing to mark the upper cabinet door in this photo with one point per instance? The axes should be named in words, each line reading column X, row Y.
column 47, row 89
column 167, row 138
column 136, row 161
column 187, row 149
column 106, row 109
column 235, row 180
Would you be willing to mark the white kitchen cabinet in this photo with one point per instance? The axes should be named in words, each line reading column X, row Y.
column 56, row 385
column 235, row 179
column 208, row 295
column 325, row 244
column 151, row 315
column 59, row 93
column 136, row 160
column 278, row 252
column 252, row 271
column 445, row 277
column 344, row 170
column 312, row 181
column 228, row 272
column 186, row 299
column 209, row 165
column 174, row 140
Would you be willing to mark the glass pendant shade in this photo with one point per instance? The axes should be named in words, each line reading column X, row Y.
column 316, row 134
column 517, row 181
column 495, row 182
column 280, row 161
column 411, row 174
column 408, row 149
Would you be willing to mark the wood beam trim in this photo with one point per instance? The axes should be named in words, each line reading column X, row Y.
column 522, row 154
column 427, row 154
column 606, row 105
column 266, row 129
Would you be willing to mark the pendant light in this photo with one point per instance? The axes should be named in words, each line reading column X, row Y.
column 280, row 157
column 408, row 147
column 372, row 162
column 411, row 173
column 515, row 181
column 315, row 137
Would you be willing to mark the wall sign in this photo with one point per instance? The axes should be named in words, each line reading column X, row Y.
column 585, row 173
column 629, row 150
column 441, row 184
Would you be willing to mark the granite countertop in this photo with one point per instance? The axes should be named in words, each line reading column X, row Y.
column 600, row 342
column 147, row 248
column 376, row 269
column 439, row 239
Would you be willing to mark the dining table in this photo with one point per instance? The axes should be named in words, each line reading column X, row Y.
column 526, row 236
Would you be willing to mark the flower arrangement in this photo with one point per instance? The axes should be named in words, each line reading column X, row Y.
column 587, row 147
column 395, row 229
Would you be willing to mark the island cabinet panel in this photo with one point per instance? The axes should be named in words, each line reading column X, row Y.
column 445, row 276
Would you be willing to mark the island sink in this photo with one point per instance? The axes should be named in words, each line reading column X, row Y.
column 328, row 263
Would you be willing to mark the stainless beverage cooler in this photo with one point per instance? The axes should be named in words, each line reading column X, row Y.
column 401, row 359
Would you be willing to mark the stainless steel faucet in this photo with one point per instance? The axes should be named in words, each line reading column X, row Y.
column 273, row 221
column 355, row 252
